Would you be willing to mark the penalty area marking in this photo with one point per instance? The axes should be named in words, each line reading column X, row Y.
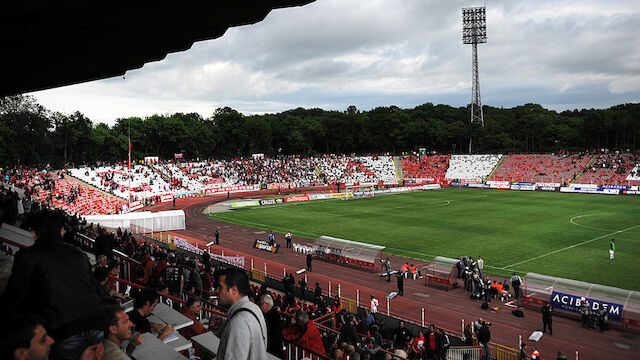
column 571, row 246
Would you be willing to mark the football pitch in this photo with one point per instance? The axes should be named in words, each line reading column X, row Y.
column 558, row 234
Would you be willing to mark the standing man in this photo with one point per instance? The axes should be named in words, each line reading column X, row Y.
column 400, row 278
column 387, row 267
column 612, row 249
column 274, row 325
column 217, row 234
column 288, row 238
column 515, row 282
column 173, row 277
column 585, row 311
column 546, row 318
column 53, row 280
column 272, row 238
column 484, row 336
column 243, row 334
column 174, row 201
column 309, row 259
column 374, row 304
column 480, row 264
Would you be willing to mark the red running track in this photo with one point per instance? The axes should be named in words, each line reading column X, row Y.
column 443, row 308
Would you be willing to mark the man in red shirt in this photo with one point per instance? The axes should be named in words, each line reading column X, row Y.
column 304, row 333
column 191, row 310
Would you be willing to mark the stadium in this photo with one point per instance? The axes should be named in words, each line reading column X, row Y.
column 323, row 211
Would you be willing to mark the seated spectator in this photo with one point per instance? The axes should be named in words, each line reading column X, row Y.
column 144, row 302
column 25, row 338
column 53, row 280
column 117, row 330
column 192, row 310
column 304, row 333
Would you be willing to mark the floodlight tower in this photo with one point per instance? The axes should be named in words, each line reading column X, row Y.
column 474, row 32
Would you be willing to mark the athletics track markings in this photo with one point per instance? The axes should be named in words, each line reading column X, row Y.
column 570, row 247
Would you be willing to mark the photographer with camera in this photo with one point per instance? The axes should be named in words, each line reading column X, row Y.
column 484, row 336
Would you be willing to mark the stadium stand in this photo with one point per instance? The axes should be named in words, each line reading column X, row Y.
column 541, row 168
column 425, row 166
column 471, row 166
column 380, row 166
column 613, row 169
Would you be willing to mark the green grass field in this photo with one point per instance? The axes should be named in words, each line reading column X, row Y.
column 558, row 234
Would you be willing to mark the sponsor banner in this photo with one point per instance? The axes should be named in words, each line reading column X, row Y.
column 521, row 183
column 573, row 303
column 341, row 195
column 186, row 195
column 431, row 186
column 135, row 205
column 319, row 196
column 479, row 185
column 540, row 184
column 504, row 185
column 166, row 197
column 635, row 188
column 237, row 204
column 584, row 186
column 459, row 184
column 177, row 156
column 287, row 185
column 631, row 192
column 233, row 189
column 470, row 181
column 296, row 198
column 547, row 188
column 264, row 245
column 619, row 187
column 523, row 187
column 271, row 201
column 590, row 190
column 498, row 183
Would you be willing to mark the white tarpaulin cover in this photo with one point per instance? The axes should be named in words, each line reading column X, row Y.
column 142, row 222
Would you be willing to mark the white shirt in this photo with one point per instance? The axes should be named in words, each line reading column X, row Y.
column 480, row 264
column 374, row 305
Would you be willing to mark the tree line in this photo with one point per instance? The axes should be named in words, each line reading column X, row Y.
column 32, row 135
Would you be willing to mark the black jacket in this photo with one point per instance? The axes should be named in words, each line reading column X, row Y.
column 53, row 280
column 274, row 331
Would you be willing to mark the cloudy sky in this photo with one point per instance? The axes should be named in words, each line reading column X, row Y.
column 335, row 53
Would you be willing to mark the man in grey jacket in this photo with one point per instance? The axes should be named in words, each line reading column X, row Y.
column 243, row 334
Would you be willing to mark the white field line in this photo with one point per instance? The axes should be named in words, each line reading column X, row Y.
column 586, row 226
column 570, row 247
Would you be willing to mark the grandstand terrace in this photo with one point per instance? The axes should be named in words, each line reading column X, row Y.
column 471, row 166
column 549, row 168
column 417, row 166
column 613, row 169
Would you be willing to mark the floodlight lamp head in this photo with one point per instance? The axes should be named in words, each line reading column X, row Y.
column 474, row 25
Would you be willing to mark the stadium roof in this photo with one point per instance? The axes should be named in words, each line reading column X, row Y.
column 47, row 44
